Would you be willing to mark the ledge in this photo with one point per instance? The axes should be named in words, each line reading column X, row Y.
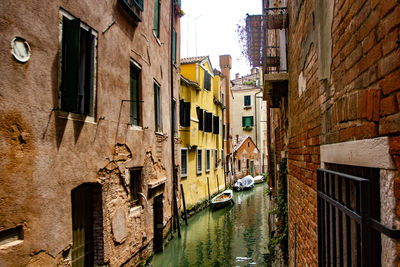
column 157, row 183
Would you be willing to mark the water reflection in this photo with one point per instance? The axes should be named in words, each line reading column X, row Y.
column 233, row 236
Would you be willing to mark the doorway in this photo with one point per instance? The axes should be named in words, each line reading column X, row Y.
column 158, row 223
column 87, row 225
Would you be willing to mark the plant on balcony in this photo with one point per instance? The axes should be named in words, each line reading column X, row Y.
column 247, row 128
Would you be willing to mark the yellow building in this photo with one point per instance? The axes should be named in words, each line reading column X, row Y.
column 201, row 130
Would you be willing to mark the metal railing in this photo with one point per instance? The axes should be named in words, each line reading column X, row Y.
column 346, row 230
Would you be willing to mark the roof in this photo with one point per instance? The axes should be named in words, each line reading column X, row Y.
column 200, row 59
column 189, row 60
column 240, row 142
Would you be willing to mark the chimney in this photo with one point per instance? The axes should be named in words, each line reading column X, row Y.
column 237, row 139
column 237, row 76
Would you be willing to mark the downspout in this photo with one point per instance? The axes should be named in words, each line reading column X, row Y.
column 174, row 174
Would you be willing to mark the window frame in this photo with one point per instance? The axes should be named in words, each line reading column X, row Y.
column 215, row 158
column 244, row 120
column 222, row 158
column 135, row 202
column 185, row 174
column 208, row 160
column 157, row 107
column 89, row 117
column 156, row 18
column 249, row 100
column 136, row 66
column 199, row 165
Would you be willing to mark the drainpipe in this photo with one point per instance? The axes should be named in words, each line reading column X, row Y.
column 174, row 172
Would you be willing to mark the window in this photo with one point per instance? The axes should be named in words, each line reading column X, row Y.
column 208, row 122
column 208, row 160
column 77, row 67
column 216, row 125
column 239, row 164
column 247, row 101
column 174, row 43
column 157, row 107
column 222, row 158
column 135, row 185
column 156, row 24
column 135, row 94
column 184, row 113
column 224, row 131
column 247, row 121
column 215, row 158
column 199, row 161
column 207, row 81
column 184, row 162
column 133, row 7
column 200, row 115
column 247, row 164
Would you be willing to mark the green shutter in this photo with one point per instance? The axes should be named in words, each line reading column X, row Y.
column 156, row 26
column 70, row 62
column 134, row 88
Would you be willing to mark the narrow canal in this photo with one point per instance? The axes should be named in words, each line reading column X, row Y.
column 232, row 236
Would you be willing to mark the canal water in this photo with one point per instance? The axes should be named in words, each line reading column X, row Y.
column 232, row 236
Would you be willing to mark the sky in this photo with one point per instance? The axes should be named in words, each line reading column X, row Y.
column 208, row 28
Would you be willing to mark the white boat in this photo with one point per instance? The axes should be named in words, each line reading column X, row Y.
column 223, row 199
column 246, row 183
column 258, row 179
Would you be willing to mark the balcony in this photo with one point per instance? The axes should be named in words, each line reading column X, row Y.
column 276, row 18
column 133, row 8
column 275, row 65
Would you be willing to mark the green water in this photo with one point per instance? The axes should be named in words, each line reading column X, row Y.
column 232, row 236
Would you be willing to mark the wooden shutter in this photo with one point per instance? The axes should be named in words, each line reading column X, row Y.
column 134, row 84
column 156, row 25
column 70, row 62
column 186, row 109
column 208, row 124
column 200, row 115
column 216, row 125
column 181, row 112
column 174, row 40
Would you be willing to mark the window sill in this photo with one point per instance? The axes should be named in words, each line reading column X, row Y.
column 247, row 107
column 11, row 244
column 135, row 211
column 76, row 117
column 184, row 175
column 157, row 40
column 159, row 133
column 135, row 127
column 199, row 173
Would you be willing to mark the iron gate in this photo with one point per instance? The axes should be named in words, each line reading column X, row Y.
column 345, row 225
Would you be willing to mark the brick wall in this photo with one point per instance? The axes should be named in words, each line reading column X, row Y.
column 359, row 100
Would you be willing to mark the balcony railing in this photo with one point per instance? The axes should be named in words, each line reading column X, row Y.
column 276, row 18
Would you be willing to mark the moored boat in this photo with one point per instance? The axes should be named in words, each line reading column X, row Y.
column 222, row 199
column 258, row 179
column 246, row 183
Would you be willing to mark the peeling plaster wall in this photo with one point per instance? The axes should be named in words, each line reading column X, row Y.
column 45, row 155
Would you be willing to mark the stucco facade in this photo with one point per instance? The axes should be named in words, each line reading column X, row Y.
column 54, row 159
column 202, row 173
column 249, row 109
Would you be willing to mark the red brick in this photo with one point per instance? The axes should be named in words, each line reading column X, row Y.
column 353, row 57
column 390, row 83
column 369, row 41
column 388, row 105
column 368, row 130
column 389, row 124
column 394, row 145
column 389, row 22
column 371, row 58
column 373, row 105
column 346, row 134
column 398, row 100
column 367, row 26
column 389, row 43
column 398, row 215
column 396, row 159
column 385, row 6
column 362, row 104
